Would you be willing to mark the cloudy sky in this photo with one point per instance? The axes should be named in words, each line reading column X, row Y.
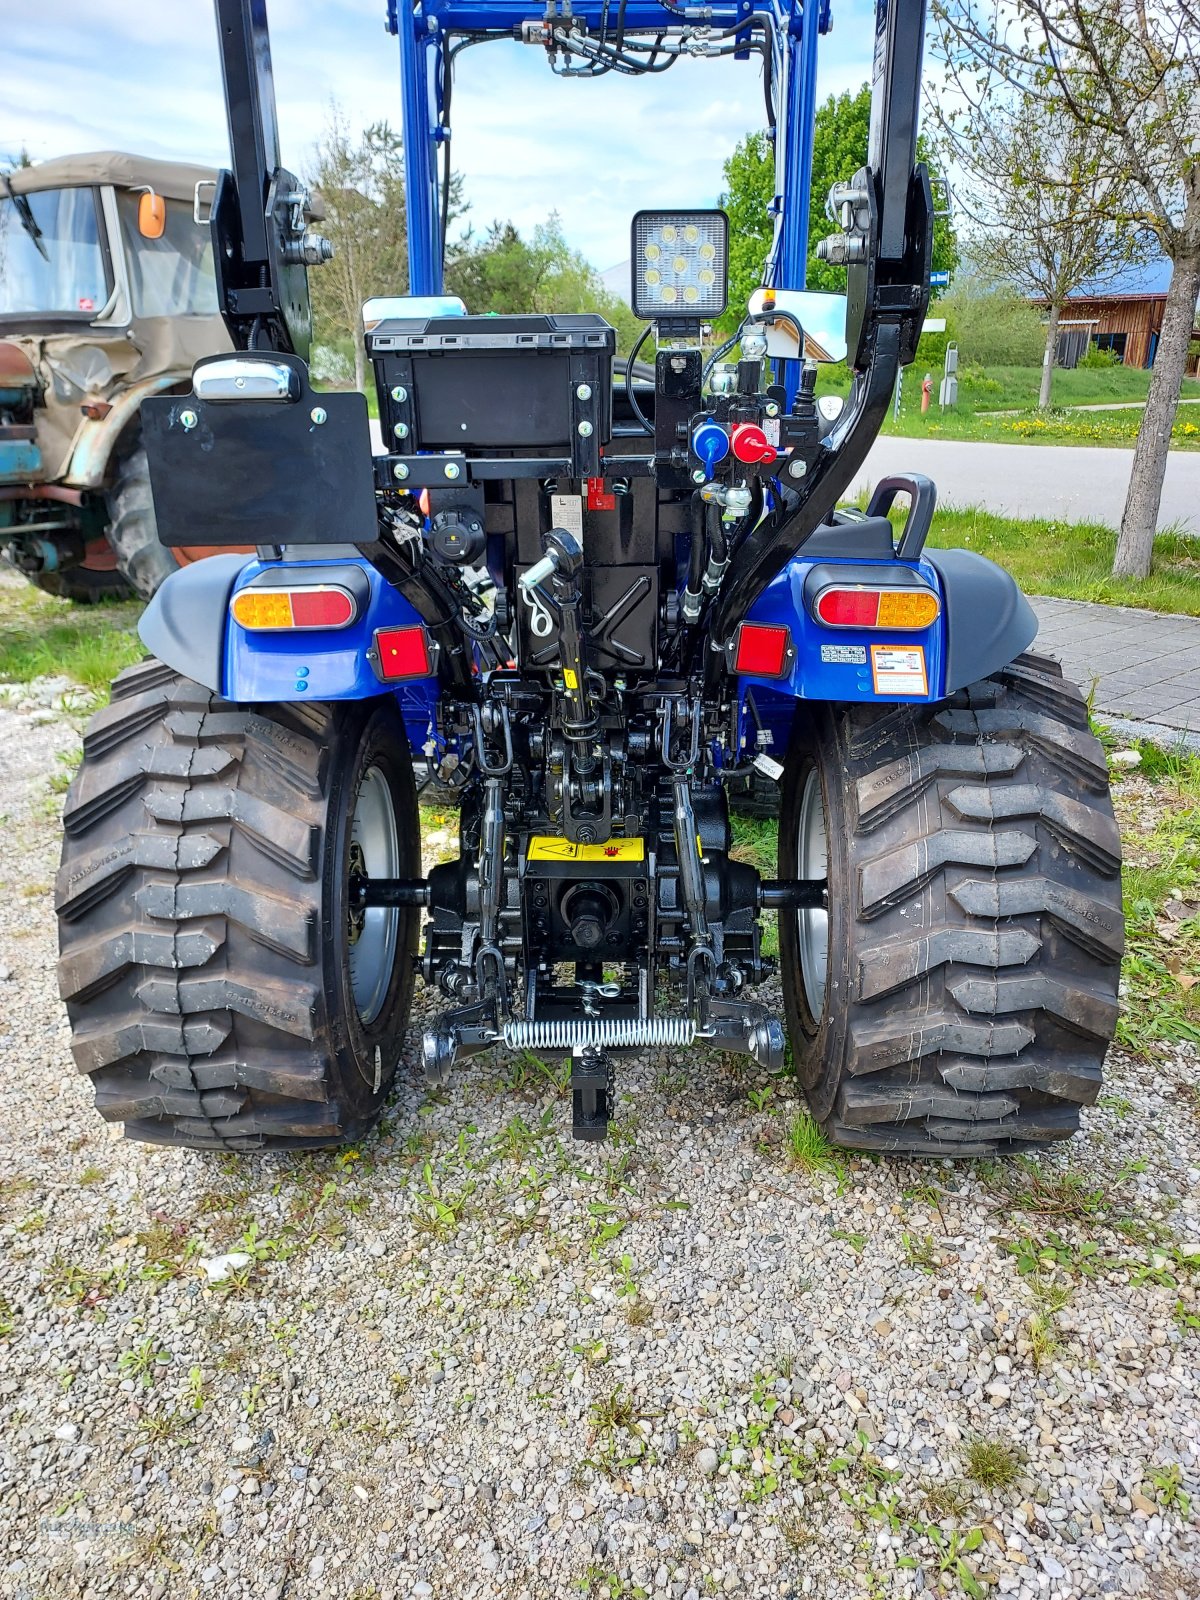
column 142, row 76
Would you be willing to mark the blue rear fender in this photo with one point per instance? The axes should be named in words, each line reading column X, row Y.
column 984, row 623
column 188, row 625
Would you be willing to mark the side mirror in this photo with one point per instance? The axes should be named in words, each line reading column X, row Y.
column 152, row 215
column 821, row 316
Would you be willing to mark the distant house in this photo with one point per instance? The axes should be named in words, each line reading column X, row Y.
column 1125, row 316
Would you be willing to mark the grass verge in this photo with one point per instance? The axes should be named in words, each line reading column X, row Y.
column 999, row 406
column 1160, row 825
column 1073, row 560
column 41, row 636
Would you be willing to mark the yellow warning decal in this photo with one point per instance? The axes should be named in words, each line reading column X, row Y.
column 569, row 678
column 545, row 847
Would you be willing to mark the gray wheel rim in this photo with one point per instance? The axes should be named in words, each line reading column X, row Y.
column 372, row 953
column 812, row 861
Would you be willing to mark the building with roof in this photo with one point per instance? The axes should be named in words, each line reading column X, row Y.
column 1124, row 315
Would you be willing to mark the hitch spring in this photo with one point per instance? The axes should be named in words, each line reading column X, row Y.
column 603, row 1033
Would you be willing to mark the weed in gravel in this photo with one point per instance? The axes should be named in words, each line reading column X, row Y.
column 953, row 1498
column 1166, row 1485
column 616, row 1424
column 11, row 1189
column 856, row 1241
column 7, row 1317
column 143, row 1360
column 440, row 1210
column 991, row 1463
column 638, row 1312
column 807, row 1149
column 160, row 1427
column 920, row 1251
column 1024, row 1184
column 167, row 1249
column 1186, row 1318
column 1044, row 1343
column 152, row 1549
column 798, row 1532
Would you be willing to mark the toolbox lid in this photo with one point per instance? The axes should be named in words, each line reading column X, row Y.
column 581, row 330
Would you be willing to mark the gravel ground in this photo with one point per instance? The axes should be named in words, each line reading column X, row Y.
column 474, row 1359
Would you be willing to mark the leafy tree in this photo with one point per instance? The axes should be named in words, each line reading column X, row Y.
column 506, row 272
column 360, row 179
column 1041, row 193
column 1126, row 74
column 991, row 323
column 840, row 139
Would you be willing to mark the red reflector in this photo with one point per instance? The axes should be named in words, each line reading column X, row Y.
column 402, row 653
column 762, row 650
column 848, row 608
column 321, row 608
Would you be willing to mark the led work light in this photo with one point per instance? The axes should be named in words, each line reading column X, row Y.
column 680, row 265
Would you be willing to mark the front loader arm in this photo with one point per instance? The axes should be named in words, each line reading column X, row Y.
column 886, row 243
column 260, row 211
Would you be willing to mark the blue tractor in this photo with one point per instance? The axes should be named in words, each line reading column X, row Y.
column 593, row 606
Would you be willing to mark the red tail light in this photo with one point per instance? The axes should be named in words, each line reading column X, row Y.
column 402, row 653
column 763, row 650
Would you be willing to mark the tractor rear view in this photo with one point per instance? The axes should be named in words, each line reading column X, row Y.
column 593, row 606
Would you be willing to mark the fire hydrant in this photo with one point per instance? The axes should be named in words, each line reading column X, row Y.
column 926, row 392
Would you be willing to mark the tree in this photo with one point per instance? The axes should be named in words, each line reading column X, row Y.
column 361, row 184
column 505, row 272
column 1042, row 194
column 840, row 137
column 991, row 323
column 1126, row 73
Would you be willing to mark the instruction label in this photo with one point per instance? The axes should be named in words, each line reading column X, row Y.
column 545, row 847
column 566, row 511
column 899, row 669
column 854, row 655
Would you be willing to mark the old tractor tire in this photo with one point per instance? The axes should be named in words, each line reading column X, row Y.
column 132, row 530
column 94, row 579
column 221, row 992
column 958, row 995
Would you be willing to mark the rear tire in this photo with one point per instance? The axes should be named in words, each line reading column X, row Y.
column 974, row 930
column 95, row 579
column 132, row 529
column 207, row 951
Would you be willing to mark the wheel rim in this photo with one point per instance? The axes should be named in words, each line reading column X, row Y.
column 372, row 933
column 812, row 861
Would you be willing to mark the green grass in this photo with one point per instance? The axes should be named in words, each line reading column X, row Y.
column 991, row 1463
column 1161, row 886
column 1074, row 559
column 41, row 636
column 982, row 395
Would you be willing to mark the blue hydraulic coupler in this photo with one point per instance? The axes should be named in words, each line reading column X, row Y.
column 710, row 444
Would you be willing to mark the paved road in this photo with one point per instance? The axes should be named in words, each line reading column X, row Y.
column 1068, row 482
column 1145, row 666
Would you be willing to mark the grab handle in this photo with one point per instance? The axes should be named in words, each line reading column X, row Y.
column 922, row 493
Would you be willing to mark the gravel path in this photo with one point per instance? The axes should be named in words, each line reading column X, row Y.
column 474, row 1359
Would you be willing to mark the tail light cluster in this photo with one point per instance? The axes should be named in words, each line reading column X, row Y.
column 766, row 650
column 277, row 610
column 906, row 610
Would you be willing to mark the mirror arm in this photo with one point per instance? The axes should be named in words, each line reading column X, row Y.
column 777, row 539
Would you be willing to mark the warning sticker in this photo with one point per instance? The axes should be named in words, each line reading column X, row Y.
column 545, row 847
column 899, row 669
column 854, row 655
column 566, row 511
